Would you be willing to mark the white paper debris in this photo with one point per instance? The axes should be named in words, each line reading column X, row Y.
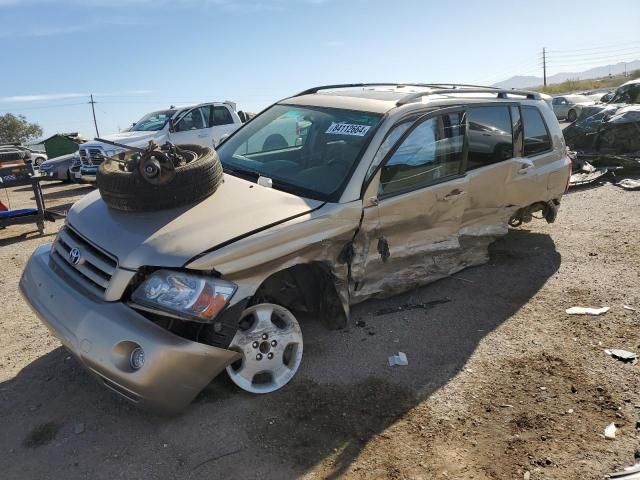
column 630, row 308
column 623, row 355
column 629, row 184
column 586, row 311
column 610, row 431
column 399, row 359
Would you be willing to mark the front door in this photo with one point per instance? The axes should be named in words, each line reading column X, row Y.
column 414, row 206
column 191, row 128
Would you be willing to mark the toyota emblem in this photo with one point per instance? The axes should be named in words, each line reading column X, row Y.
column 74, row 256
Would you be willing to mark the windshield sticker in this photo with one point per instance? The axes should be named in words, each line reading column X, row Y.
column 348, row 129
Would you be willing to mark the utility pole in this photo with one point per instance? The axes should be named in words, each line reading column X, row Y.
column 92, row 102
column 544, row 65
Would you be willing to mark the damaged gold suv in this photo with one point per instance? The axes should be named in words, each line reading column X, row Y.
column 332, row 196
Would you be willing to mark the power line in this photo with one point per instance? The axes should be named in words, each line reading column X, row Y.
column 597, row 48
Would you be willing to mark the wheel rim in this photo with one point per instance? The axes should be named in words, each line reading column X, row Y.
column 270, row 342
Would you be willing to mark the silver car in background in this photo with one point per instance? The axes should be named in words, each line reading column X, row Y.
column 569, row 106
column 58, row 168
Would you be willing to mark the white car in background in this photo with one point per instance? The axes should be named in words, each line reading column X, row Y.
column 203, row 124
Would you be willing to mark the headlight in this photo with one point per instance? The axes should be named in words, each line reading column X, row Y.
column 197, row 297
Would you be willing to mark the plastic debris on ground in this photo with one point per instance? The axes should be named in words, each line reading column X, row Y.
column 399, row 359
column 630, row 308
column 628, row 473
column 586, row 311
column 622, row 355
column 582, row 172
column 411, row 306
column 610, row 431
column 629, row 184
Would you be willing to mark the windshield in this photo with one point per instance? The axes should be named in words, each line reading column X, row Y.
column 152, row 122
column 309, row 151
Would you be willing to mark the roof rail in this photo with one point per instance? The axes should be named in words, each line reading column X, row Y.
column 354, row 85
column 501, row 93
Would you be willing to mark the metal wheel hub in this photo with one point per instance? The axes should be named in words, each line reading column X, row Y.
column 270, row 341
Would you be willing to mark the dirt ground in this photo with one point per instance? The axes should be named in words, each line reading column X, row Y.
column 500, row 381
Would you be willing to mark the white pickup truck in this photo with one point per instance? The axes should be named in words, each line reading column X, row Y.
column 202, row 124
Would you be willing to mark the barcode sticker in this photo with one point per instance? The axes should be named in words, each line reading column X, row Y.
column 348, row 129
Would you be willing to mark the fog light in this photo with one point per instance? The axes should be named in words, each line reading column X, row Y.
column 137, row 358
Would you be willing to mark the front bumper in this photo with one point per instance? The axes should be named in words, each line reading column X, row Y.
column 88, row 174
column 103, row 334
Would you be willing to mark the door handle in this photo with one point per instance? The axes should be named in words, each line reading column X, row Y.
column 525, row 167
column 203, row 135
column 453, row 194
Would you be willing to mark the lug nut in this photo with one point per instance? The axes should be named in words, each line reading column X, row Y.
column 265, row 336
column 259, row 356
column 273, row 343
column 255, row 344
column 270, row 356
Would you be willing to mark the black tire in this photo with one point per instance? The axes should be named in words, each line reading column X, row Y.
column 572, row 115
column 193, row 182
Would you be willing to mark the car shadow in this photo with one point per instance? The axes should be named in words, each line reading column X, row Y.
column 344, row 395
column 22, row 236
column 67, row 192
column 44, row 185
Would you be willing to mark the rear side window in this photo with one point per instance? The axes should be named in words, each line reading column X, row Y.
column 536, row 135
column 221, row 116
column 431, row 153
column 490, row 136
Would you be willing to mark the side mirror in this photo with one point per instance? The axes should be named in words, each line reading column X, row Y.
column 172, row 126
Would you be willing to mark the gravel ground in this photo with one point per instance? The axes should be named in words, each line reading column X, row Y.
column 500, row 380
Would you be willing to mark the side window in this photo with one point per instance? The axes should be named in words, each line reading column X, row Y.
column 536, row 136
column 429, row 154
column 387, row 144
column 490, row 136
column 221, row 116
column 206, row 115
column 192, row 120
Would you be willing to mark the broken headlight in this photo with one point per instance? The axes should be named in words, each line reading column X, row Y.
column 185, row 295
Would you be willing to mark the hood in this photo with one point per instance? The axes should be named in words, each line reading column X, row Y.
column 170, row 238
column 60, row 159
column 129, row 138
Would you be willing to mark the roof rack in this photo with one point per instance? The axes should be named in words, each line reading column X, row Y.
column 500, row 93
column 354, row 85
column 436, row 88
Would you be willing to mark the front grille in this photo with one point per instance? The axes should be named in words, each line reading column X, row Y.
column 91, row 156
column 94, row 267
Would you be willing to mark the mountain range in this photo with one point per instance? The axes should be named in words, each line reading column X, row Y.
column 597, row 72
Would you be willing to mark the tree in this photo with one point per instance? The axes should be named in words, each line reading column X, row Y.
column 17, row 129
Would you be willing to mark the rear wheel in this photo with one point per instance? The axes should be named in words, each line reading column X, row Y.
column 572, row 115
column 270, row 342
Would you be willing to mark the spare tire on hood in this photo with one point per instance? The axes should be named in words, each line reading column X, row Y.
column 193, row 182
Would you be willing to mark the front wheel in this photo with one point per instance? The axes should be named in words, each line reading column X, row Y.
column 572, row 115
column 270, row 342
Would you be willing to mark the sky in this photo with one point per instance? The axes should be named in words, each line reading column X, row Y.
column 136, row 56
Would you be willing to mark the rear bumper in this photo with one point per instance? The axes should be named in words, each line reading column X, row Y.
column 103, row 334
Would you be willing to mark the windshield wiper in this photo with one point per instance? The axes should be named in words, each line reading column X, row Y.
column 241, row 172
